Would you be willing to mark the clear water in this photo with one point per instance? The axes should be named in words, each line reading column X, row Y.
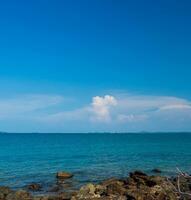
column 26, row 158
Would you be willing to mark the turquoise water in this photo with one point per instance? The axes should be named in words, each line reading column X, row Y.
column 26, row 158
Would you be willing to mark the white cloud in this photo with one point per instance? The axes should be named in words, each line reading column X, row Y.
column 101, row 108
column 131, row 118
column 64, row 116
column 175, row 106
column 26, row 105
column 146, row 103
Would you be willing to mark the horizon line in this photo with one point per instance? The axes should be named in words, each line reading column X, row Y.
column 104, row 132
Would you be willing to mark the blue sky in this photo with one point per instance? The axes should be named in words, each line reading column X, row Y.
column 100, row 65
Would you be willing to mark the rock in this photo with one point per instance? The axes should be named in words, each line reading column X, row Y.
column 47, row 198
column 138, row 186
column 88, row 189
column 111, row 181
column 66, row 195
column 116, row 189
column 138, row 179
column 34, row 187
column 87, row 192
column 19, row 195
column 64, row 175
column 101, row 190
column 137, row 173
column 4, row 191
column 54, row 189
column 156, row 170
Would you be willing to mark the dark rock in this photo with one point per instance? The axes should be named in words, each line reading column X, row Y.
column 137, row 173
column 156, row 170
column 138, row 178
column 150, row 183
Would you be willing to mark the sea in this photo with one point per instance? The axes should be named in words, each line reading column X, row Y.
column 93, row 157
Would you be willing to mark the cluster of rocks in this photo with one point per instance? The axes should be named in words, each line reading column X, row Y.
column 138, row 186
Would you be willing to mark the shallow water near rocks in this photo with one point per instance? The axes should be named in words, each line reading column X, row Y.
column 28, row 158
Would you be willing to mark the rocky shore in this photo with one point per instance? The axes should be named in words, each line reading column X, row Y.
column 137, row 186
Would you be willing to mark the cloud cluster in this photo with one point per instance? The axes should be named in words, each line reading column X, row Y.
column 101, row 107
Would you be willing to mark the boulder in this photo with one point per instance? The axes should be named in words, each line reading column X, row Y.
column 87, row 192
column 64, row 175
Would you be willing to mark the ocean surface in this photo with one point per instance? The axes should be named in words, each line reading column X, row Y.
column 26, row 158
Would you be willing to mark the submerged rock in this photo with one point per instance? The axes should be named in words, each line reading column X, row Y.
column 137, row 173
column 156, row 170
column 54, row 189
column 34, row 187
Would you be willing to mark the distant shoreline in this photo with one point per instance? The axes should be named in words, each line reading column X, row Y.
column 154, row 132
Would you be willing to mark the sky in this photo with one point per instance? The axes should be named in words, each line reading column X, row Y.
column 95, row 66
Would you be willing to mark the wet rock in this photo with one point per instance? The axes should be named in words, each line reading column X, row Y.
column 64, row 175
column 137, row 173
column 55, row 188
column 138, row 178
